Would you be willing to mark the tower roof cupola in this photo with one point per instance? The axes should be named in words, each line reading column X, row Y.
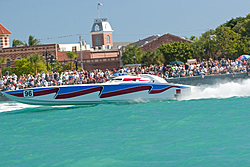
column 101, row 26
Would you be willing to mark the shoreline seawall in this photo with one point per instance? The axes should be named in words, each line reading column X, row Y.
column 209, row 79
column 194, row 81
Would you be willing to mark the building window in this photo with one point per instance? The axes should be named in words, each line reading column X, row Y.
column 8, row 62
column 97, row 40
column 108, row 39
column 6, row 41
column 73, row 48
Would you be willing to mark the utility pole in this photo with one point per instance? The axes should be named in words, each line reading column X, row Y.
column 47, row 60
column 76, row 63
column 51, row 61
column 80, row 40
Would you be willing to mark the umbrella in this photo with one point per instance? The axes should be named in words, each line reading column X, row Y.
column 176, row 62
column 242, row 57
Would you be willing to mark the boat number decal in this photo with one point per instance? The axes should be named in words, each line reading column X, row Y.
column 28, row 93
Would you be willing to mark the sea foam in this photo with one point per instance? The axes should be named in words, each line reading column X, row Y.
column 224, row 90
column 11, row 106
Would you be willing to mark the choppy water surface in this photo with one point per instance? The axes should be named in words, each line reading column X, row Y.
column 210, row 127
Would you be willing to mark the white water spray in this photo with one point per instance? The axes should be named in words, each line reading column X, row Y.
column 224, row 90
column 11, row 106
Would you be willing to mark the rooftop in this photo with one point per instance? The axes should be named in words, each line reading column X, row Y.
column 101, row 25
column 4, row 30
column 100, row 20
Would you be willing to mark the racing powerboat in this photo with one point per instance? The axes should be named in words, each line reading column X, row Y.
column 140, row 88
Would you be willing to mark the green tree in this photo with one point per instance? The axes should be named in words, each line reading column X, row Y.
column 197, row 50
column 209, row 45
column 2, row 60
column 130, row 52
column 57, row 66
column 244, row 30
column 229, row 42
column 193, row 38
column 243, row 46
column 233, row 22
column 239, row 25
column 24, row 66
column 33, row 41
column 67, row 66
column 35, row 60
column 16, row 42
column 11, row 70
column 155, row 57
column 176, row 51
column 71, row 56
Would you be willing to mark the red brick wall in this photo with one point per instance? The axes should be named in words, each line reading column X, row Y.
column 86, row 54
column 103, row 63
column 94, row 60
column 167, row 38
column 14, row 53
column 103, row 39
column 91, row 60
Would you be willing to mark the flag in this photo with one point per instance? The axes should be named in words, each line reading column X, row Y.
column 99, row 4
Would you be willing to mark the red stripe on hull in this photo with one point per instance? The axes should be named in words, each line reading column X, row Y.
column 79, row 93
column 45, row 92
column 37, row 93
column 124, row 91
column 16, row 94
column 162, row 90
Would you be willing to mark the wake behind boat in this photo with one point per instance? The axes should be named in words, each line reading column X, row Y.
column 119, row 90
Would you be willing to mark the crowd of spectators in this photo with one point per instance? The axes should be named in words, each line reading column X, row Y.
column 13, row 82
column 207, row 68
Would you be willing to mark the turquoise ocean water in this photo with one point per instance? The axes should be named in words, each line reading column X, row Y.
column 211, row 127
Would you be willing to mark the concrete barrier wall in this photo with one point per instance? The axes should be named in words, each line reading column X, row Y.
column 209, row 79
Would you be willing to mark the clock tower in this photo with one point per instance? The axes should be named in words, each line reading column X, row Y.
column 101, row 34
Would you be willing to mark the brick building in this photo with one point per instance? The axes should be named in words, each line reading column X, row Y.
column 94, row 60
column 153, row 42
column 100, row 56
column 13, row 53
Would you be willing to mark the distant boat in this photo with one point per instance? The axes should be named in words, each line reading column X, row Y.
column 119, row 90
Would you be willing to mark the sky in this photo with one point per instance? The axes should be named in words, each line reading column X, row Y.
column 62, row 21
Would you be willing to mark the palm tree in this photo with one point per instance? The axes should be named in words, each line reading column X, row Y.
column 33, row 41
column 17, row 42
column 71, row 56
column 132, row 54
column 2, row 60
column 35, row 59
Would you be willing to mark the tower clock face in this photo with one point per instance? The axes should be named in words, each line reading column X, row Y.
column 97, row 28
